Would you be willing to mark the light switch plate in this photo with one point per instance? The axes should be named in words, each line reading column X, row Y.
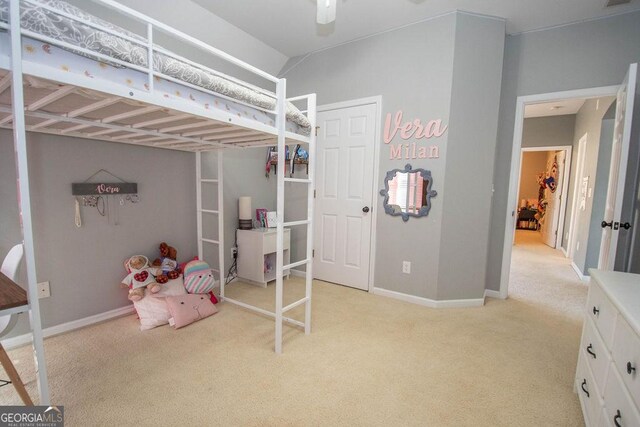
column 44, row 291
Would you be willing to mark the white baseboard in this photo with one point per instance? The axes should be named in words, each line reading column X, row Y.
column 492, row 294
column 579, row 273
column 21, row 340
column 478, row 302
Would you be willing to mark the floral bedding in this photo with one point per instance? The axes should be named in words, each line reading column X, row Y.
column 45, row 22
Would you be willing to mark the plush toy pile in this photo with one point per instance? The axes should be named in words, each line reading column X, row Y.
column 161, row 295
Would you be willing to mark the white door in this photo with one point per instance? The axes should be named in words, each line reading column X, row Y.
column 552, row 215
column 618, row 169
column 344, row 174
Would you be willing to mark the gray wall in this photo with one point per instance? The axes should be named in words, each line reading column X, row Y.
column 478, row 55
column 428, row 70
column 85, row 265
column 589, row 122
column 548, row 131
column 244, row 175
column 583, row 55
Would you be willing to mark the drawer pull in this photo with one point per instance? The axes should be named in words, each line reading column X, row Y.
column 589, row 348
column 595, row 311
column 584, row 383
column 630, row 368
column 616, row 418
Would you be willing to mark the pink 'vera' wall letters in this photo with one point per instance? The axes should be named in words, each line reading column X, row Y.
column 412, row 129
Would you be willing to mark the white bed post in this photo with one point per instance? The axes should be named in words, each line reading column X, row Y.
column 311, row 115
column 199, row 201
column 223, row 279
column 281, row 89
column 20, row 142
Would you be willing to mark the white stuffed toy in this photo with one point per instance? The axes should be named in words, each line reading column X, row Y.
column 140, row 276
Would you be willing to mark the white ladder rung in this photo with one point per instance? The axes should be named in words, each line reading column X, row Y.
column 210, row 211
column 208, row 180
column 295, row 304
column 262, row 311
column 304, row 181
column 295, row 264
column 294, row 223
column 215, row 242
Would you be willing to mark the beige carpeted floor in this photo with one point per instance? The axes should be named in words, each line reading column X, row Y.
column 370, row 360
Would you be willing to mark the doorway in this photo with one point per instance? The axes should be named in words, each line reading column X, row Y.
column 346, row 171
column 573, row 241
column 542, row 192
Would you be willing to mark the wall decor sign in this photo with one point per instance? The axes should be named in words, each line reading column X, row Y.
column 408, row 130
column 103, row 188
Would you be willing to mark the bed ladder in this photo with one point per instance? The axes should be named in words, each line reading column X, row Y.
column 205, row 185
column 309, row 183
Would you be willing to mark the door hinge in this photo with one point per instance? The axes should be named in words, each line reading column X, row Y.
column 313, row 253
column 314, row 194
column 317, row 127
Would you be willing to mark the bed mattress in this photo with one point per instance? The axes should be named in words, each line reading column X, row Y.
column 42, row 21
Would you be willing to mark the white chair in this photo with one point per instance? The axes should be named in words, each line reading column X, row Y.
column 9, row 268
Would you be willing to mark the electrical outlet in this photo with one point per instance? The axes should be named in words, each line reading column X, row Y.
column 234, row 252
column 43, row 290
column 406, row 267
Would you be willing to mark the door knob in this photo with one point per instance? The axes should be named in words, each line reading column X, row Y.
column 365, row 209
column 605, row 224
column 625, row 225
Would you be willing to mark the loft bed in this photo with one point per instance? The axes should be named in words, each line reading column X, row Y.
column 74, row 74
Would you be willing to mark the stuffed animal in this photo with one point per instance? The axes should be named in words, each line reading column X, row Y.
column 168, row 264
column 198, row 277
column 140, row 276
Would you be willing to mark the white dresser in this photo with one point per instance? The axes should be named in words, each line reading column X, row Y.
column 608, row 377
column 257, row 255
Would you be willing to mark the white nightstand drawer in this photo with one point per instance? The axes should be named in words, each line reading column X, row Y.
column 269, row 241
column 621, row 411
column 595, row 353
column 626, row 357
column 588, row 391
column 602, row 312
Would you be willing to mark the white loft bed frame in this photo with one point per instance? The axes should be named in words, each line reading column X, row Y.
column 257, row 135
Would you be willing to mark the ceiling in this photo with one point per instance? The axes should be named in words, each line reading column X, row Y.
column 290, row 25
column 556, row 108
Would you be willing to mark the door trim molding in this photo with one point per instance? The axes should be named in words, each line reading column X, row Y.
column 579, row 167
column 377, row 101
column 510, row 220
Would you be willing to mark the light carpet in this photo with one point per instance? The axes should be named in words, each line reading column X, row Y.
column 369, row 361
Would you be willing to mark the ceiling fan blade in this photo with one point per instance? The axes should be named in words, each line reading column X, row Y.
column 326, row 11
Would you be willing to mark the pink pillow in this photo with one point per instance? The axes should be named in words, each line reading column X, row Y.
column 189, row 308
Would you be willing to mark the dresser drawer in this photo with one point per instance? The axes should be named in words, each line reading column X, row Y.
column 588, row 392
column 620, row 409
column 602, row 312
column 626, row 357
column 269, row 241
column 595, row 353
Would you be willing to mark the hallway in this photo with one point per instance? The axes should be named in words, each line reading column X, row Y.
column 542, row 276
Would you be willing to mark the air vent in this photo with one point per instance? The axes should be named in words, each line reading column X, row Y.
column 611, row 3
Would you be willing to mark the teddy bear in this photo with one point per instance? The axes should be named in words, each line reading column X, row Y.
column 169, row 268
column 140, row 276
